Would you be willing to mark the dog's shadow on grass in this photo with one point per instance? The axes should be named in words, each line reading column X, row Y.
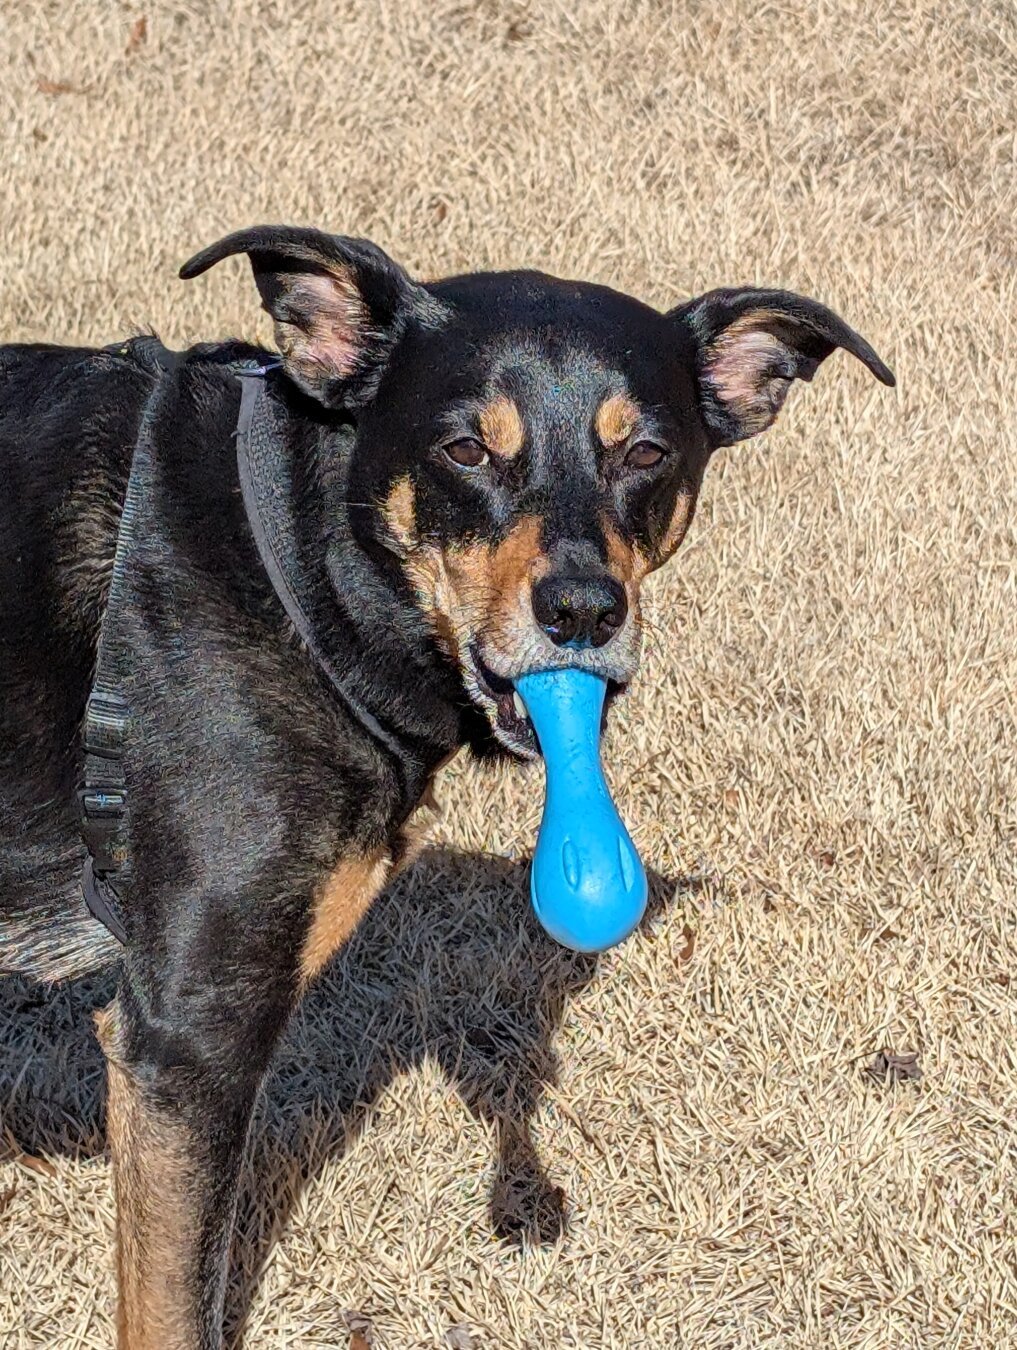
column 449, row 965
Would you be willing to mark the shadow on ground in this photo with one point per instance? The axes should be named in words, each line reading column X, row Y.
column 450, row 965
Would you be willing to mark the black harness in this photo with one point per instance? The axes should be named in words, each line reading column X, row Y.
column 264, row 472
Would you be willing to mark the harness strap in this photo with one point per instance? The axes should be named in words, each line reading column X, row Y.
column 103, row 797
column 252, row 399
column 104, row 806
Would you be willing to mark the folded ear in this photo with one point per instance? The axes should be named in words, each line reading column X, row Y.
column 749, row 346
column 339, row 305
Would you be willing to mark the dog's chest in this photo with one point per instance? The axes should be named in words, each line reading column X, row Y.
column 354, row 883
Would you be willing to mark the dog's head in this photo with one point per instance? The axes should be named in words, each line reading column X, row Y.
column 527, row 449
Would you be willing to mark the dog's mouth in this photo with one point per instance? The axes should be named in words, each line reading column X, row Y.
column 505, row 708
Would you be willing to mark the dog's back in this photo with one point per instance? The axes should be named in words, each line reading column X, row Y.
column 68, row 421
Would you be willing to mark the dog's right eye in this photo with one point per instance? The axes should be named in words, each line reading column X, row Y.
column 466, row 453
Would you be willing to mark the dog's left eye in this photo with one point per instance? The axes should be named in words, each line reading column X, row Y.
column 643, row 455
column 467, row 453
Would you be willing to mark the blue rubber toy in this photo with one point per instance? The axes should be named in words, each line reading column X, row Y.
column 587, row 883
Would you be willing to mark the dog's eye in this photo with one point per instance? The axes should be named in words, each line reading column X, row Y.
column 467, row 453
column 643, row 455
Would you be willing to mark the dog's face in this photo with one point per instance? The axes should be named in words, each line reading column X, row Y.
column 533, row 456
column 527, row 449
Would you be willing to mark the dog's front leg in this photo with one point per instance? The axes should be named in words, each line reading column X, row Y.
column 177, row 1122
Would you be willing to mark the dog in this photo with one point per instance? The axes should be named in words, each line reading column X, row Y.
column 279, row 592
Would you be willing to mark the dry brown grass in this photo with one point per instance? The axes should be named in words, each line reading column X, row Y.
column 819, row 756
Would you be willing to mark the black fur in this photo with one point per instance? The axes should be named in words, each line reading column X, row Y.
column 249, row 779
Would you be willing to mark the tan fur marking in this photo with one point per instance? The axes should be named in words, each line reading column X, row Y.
column 425, row 568
column 626, row 561
column 156, row 1209
column 616, row 419
column 677, row 527
column 341, row 903
column 492, row 584
column 414, row 834
column 628, row 565
column 399, row 511
column 481, row 588
column 518, row 556
column 501, row 426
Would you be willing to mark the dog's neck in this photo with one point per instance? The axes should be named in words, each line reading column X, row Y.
column 376, row 638
column 373, row 647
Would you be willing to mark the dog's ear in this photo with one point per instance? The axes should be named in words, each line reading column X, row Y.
column 339, row 305
column 750, row 344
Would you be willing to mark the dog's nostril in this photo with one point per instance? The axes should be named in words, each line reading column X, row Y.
column 613, row 618
column 579, row 611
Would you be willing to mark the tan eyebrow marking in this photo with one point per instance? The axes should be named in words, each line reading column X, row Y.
column 501, row 426
column 616, row 419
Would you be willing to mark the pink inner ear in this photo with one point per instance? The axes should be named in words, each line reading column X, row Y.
column 333, row 325
column 740, row 364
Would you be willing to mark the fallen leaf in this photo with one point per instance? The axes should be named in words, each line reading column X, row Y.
column 459, row 1338
column 731, row 797
column 56, row 87
column 685, row 951
column 139, row 31
column 888, row 1066
column 7, row 1195
column 41, row 1165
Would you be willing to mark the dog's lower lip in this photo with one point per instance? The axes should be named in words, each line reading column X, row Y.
column 496, row 685
column 511, row 715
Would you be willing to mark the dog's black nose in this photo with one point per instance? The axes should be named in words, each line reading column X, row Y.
column 580, row 611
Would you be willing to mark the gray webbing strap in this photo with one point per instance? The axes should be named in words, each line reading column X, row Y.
column 103, row 797
column 264, row 494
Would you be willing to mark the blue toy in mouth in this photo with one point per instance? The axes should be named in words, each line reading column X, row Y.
column 587, row 883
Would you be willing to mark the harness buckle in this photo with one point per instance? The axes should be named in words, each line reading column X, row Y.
column 105, row 724
column 103, row 812
column 104, row 796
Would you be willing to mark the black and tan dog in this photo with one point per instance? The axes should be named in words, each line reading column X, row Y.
column 470, row 479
